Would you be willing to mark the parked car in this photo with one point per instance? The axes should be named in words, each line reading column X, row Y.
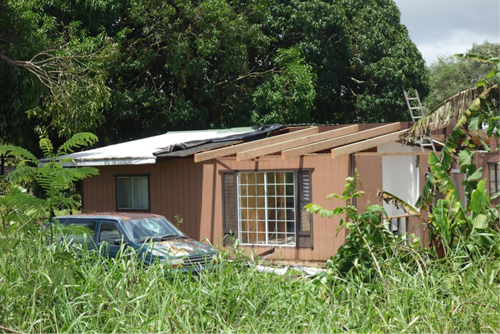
column 152, row 236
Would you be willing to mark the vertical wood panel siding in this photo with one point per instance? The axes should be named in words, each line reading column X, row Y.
column 484, row 160
column 194, row 191
column 370, row 179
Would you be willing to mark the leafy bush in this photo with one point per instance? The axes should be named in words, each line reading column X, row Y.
column 19, row 207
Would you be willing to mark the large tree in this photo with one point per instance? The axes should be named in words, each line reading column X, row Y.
column 51, row 73
column 215, row 63
column 450, row 75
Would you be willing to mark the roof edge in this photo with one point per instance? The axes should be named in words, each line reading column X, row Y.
column 110, row 162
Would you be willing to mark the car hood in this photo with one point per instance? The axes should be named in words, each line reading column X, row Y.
column 182, row 247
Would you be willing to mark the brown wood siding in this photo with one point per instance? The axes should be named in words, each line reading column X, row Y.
column 194, row 192
column 327, row 174
column 370, row 179
column 484, row 160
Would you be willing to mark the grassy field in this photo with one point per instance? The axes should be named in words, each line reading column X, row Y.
column 48, row 289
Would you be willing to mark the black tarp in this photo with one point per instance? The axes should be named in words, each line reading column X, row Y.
column 195, row 146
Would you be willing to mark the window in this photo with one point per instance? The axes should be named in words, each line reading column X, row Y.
column 132, row 192
column 84, row 232
column 109, row 233
column 494, row 178
column 266, row 208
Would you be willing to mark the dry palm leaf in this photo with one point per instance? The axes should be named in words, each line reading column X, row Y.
column 398, row 203
column 449, row 111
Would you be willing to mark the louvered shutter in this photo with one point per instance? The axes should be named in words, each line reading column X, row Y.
column 230, row 219
column 305, row 230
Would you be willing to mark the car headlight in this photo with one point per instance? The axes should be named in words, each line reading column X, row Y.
column 155, row 252
column 175, row 262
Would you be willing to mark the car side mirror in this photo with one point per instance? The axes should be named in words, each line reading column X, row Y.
column 118, row 242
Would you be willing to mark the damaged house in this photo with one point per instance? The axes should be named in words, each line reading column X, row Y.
column 250, row 185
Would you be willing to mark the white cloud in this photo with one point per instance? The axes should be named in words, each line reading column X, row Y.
column 458, row 42
column 447, row 27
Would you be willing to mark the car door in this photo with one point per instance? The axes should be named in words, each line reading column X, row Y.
column 108, row 233
column 84, row 238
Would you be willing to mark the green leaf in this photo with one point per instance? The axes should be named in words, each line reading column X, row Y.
column 475, row 121
column 433, row 159
column 427, row 192
column 495, row 195
column 485, row 146
column 480, row 222
column 476, row 175
column 492, row 74
column 477, row 201
column 464, row 157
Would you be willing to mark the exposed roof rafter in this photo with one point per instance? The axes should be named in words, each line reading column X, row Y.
column 366, row 144
column 273, row 148
column 339, row 141
column 214, row 154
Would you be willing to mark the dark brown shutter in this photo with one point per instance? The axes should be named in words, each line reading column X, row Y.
column 305, row 230
column 230, row 222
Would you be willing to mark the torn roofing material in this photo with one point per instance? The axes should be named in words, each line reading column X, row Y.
column 141, row 151
column 196, row 146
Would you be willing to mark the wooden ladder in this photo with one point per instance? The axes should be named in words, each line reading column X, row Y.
column 417, row 112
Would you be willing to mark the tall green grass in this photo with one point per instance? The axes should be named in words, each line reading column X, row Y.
column 47, row 288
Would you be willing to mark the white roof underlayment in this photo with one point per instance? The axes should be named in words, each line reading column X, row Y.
column 141, row 151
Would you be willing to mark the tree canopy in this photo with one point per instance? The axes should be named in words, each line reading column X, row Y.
column 450, row 75
column 128, row 69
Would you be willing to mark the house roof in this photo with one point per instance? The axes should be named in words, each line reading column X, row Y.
column 245, row 143
column 142, row 151
column 342, row 140
column 196, row 146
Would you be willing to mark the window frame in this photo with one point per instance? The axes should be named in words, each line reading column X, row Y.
column 148, row 192
column 82, row 222
column 496, row 177
column 112, row 223
column 296, row 211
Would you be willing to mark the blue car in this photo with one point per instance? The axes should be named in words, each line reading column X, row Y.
column 152, row 236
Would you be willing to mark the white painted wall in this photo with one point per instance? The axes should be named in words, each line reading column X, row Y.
column 399, row 175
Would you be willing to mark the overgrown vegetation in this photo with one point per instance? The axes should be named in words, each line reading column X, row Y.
column 21, row 207
column 376, row 281
column 51, row 289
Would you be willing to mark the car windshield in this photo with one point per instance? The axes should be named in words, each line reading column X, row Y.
column 143, row 229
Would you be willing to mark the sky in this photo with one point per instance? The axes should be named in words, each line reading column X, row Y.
column 447, row 27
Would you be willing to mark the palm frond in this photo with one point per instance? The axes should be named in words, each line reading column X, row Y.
column 398, row 203
column 482, row 59
column 449, row 111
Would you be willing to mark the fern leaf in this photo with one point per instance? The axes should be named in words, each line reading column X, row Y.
column 47, row 148
column 78, row 140
column 15, row 151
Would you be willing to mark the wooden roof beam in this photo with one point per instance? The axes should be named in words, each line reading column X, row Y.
column 366, row 144
column 221, row 152
column 339, row 141
column 388, row 154
column 273, row 148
